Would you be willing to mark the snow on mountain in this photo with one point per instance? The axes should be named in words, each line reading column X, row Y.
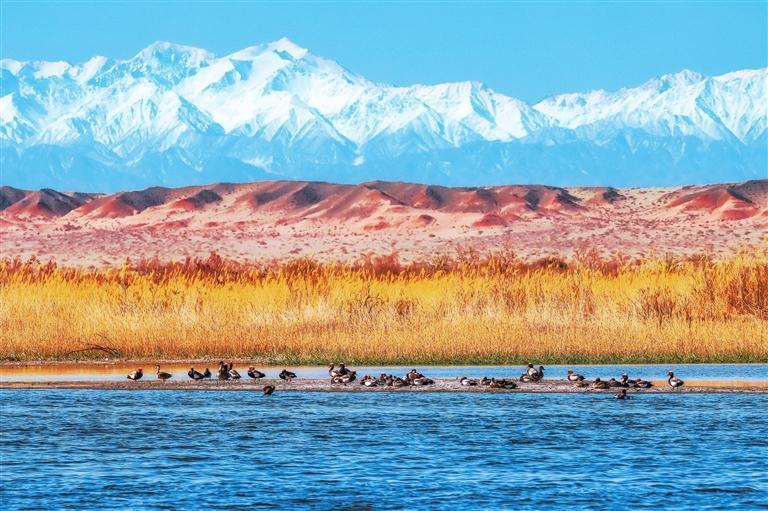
column 178, row 115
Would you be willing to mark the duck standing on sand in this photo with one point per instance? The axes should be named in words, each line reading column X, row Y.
column 268, row 390
column 162, row 375
column 538, row 375
column 340, row 371
column 625, row 381
column 232, row 372
column 253, row 373
column 674, row 382
column 573, row 376
column 207, row 373
column 286, row 375
column 223, row 373
column 136, row 375
column 195, row 375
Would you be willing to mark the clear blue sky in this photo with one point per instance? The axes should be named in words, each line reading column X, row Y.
column 526, row 50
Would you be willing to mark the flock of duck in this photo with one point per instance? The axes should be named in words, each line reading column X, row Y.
column 343, row 375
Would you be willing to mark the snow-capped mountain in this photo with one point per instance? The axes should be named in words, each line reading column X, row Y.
column 176, row 115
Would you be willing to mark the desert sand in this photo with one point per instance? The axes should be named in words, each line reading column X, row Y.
column 291, row 219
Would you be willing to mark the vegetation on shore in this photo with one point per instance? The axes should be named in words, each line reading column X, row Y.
column 469, row 309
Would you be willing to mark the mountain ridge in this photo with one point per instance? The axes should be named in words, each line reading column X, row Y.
column 175, row 115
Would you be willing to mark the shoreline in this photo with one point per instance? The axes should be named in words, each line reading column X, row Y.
column 323, row 385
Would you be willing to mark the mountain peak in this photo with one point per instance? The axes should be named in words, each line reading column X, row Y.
column 174, row 114
column 286, row 45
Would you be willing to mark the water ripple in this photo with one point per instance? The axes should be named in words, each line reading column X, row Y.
column 174, row 449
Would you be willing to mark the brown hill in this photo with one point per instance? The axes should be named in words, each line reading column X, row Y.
column 299, row 218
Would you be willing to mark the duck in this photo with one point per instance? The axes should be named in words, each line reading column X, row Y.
column 623, row 395
column 233, row 372
column 574, row 376
column 642, row 384
column 526, row 378
column 600, row 384
column 466, row 382
column 625, row 381
column 253, row 373
column 422, row 380
column 613, row 383
column 286, row 375
column 369, row 381
column 195, row 375
column 136, row 375
column 485, row 381
column 268, row 390
column 413, row 375
column 506, row 384
column 207, row 373
column 538, row 375
column 674, row 382
column 223, row 373
column 398, row 382
column 341, row 371
column 162, row 375
column 349, row 377
column 494, row 384
column 581, row 384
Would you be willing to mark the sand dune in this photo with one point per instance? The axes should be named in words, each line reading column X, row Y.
column 276, row 219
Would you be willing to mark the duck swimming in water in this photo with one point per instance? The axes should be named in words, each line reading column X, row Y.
column 253, row 373
column 136, row 375
column 268, row 390
column 600, row 384
column 623, row 395
column 286, row 375
column 573, row 376
column 674, row 382
column 161, row 375
column 195, row 375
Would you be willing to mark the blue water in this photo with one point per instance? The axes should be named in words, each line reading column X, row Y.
column 80, row 449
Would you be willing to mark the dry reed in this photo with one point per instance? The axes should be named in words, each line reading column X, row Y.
column 467, row 309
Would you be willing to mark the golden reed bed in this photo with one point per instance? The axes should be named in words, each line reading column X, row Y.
column 494, row 309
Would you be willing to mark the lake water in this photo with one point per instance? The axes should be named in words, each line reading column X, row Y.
column 117, row 371
column 78, row 449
